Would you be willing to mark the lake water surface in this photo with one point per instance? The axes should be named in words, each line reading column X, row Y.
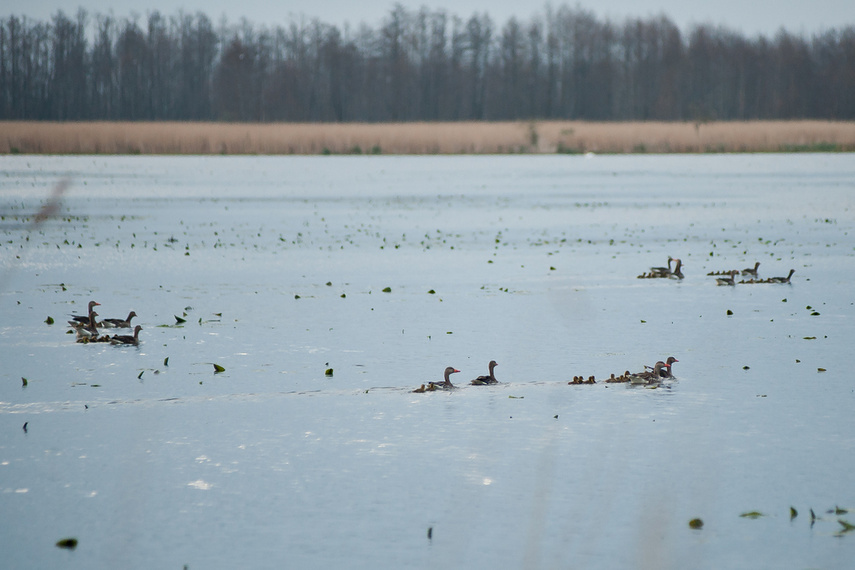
column 386, row 270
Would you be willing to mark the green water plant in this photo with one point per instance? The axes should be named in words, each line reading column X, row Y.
column 68, row 543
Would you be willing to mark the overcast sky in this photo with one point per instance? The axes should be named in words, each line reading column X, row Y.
column 749, row 17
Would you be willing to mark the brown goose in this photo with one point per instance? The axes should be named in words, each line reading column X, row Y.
column 127, row 339
column 86, row 332
column 666, row 372
column 118, row 323
column 662, row 271
column 678, row 274
column 433, row 386
column 648, row 376
column 726, row 280
column 486, row 380
column 782, row 279
column 80, row 320
column 750, row 271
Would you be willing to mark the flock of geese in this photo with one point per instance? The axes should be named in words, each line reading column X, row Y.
column 650, row 376
column 87, row 327
column 726, row 277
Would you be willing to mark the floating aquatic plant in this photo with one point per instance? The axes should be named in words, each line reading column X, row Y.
column 179, row 320
column 793, row 513
column 328, row 372
column 218, row 369
column 69, row 543
column 23, row 381
column 49, row 320
column 696, row 524
column 752, row 515
column 387, row 289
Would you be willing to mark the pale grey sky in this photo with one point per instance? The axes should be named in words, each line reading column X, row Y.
column 749, row 17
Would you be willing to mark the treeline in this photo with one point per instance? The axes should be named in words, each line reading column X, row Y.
column 417, row 66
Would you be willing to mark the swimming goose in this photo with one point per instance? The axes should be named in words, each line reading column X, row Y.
column 118, row 323
column 648, row 376
column 433, row 386
column 126, row 339
column 750, row 271
column 86, row 332
column 666, row 372
column 782, row 279
column 486, row 380
column 446, row 385
column 726, row 280
column 80, row 320
column 662, row 271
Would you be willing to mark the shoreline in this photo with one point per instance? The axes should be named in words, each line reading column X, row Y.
column 446, row 138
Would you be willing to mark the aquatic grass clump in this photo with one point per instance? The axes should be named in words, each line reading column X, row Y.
column 67, row 543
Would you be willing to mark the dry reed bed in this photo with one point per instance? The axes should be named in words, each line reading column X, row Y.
column 539, row 137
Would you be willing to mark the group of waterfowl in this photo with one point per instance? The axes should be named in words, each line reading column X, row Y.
column 86, row 327
column 727, row 277
column 665, row 272
column 651, row 376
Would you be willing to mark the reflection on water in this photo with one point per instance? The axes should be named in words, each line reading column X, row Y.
column 277, row 268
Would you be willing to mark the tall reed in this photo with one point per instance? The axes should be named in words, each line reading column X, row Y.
column 537, row 137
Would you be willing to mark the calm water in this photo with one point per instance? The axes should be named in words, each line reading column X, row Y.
column 278, row 267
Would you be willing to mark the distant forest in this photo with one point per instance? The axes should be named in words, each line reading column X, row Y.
column 423, row 65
